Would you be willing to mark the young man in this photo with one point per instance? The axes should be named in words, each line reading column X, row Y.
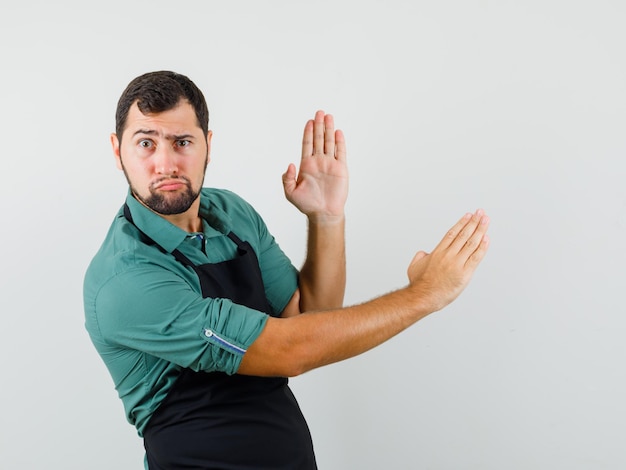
column 196, row 311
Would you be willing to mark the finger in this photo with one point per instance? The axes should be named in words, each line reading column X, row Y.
column 477, row 255
column 307, row 139
column 329, row 135
column 466, row 232
column 473, row 242
column 318, row 133
column 340, row 146
column 451, row 234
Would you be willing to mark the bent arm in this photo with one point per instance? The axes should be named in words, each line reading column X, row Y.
column 292, row 346
column 319, row 190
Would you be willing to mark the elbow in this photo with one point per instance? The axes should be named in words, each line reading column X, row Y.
column 296, row 368
column 291, row 361
column 292, row 372
column 271, row 365
column 277, row 352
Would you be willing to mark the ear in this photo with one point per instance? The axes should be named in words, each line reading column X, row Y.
column 115, row 144
column 209, row 136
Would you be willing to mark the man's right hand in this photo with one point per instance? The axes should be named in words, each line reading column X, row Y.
column 439, row 277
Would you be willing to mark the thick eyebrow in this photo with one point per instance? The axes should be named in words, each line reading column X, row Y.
column 180, row 137
column 144, row 131
column 168, row 136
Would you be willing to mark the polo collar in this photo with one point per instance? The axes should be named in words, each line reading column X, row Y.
column 215, row 222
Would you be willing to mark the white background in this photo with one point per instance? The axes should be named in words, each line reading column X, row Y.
column 518, row 107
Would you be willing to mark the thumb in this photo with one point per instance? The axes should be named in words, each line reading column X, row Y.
column 289, row 179
column 414, row 271
column 418, row 256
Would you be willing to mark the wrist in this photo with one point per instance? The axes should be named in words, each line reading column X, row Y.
column 320, row 219
column 424, row 300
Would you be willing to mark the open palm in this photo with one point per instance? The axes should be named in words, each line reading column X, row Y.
column 320, row 188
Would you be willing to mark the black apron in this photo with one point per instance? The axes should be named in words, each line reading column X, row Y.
column 219, row 421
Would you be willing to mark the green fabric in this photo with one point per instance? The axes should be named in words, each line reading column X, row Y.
column 144, row 310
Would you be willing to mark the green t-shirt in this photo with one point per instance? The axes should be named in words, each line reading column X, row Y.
column 144, row 310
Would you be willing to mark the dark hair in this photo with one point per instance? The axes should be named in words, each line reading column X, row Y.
column 156, row 92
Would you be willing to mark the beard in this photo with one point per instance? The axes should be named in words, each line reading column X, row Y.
column 169, row 203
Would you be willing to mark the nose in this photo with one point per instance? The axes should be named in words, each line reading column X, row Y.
column 165, row 161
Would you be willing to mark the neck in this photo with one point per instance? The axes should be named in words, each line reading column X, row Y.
column 188, row 221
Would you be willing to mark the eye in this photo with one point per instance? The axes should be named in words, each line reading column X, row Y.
column 183, row 143
column 145, row 143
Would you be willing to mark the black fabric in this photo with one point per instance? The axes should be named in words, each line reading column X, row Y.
column 216, row 421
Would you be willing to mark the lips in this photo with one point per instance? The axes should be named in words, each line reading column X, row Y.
column 170, row 184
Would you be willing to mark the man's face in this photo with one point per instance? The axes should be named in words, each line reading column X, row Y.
column 164, row 157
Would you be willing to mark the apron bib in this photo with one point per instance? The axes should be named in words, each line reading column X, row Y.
column 211, row 420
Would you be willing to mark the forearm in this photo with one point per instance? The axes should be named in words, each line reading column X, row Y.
column 322, row 279
column 289, row 347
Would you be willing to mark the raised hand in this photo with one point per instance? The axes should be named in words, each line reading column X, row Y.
column 439, row 277
column 320, row 188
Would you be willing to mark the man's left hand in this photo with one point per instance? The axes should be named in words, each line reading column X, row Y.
column 320, row 189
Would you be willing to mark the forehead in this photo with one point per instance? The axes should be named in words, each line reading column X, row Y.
column 179, row 120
